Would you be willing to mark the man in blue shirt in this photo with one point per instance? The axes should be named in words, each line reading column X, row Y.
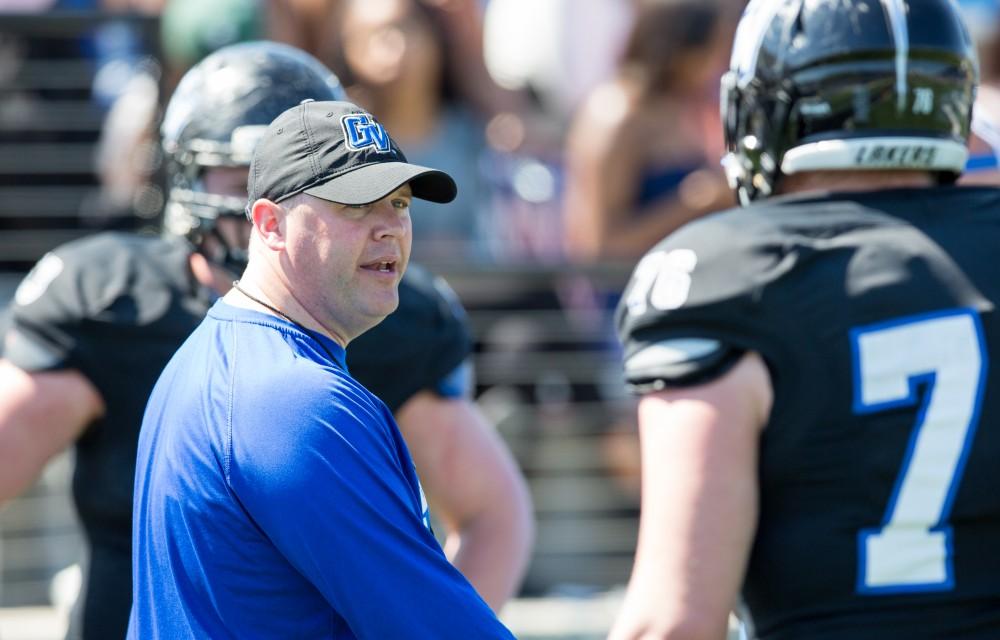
column 274, row 494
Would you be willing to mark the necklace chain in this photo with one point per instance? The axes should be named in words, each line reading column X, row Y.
column 236, row 285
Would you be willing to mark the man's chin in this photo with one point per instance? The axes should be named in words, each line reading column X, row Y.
column 374, row 317
column 379, row 307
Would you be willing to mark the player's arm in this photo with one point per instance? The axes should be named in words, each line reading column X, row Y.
column 475, row 489
column 699, row 504
column 41, row 413
column 46, row 400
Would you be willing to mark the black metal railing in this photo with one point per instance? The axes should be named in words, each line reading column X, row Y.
column 50, row 124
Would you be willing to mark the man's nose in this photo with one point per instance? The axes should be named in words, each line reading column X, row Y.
column 391, row 221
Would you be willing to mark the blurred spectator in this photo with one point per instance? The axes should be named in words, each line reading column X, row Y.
column 462, row 22
column 982, row 17
column 419, row 66
column 560, row 53
column 983, row 166
column 983, row 20
column 557, row 56
column 525, row 189
column 127, row 156
column 192, row 29
column 316, row 26
column 397, row 53
column 310, row 25
column 642, row 154
column 145, row 7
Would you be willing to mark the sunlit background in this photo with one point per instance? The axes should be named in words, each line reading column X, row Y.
column 579, row 131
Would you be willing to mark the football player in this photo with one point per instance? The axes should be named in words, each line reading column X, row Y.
column 818, row 420
column 96, row 320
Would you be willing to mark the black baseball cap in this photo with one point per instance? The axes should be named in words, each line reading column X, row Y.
column 339, row 152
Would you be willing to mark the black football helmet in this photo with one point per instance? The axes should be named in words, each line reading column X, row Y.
column 219, row 110
column 846, row 84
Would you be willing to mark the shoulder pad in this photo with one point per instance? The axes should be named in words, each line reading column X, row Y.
column 698, row 299
column 105, row 279
column 725, row 257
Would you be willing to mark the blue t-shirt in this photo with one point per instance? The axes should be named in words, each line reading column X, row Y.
column 275, row 498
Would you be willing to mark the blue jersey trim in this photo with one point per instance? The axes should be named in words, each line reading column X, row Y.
column 981, row 162
column 457, row 383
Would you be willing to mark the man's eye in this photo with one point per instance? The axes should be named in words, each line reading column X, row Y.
column 401, row 204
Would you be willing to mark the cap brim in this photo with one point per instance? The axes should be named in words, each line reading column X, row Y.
column 375, row 181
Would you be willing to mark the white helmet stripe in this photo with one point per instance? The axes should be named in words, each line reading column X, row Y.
column 895, row 12
column 750, row 34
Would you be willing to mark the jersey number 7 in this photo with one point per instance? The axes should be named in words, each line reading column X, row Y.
column 911, row 550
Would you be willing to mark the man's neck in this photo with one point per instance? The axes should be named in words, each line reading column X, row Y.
column 853, row 181
column 267, row 296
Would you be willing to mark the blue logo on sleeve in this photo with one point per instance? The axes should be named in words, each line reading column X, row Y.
column 362, row 131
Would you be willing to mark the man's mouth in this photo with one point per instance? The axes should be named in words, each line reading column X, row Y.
column 382, row 266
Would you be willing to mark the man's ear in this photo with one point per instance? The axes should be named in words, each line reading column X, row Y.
column 268, row 222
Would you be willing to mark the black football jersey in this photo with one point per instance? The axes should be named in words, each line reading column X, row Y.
column 417, row 347
column 116, row 307
column 875, row 313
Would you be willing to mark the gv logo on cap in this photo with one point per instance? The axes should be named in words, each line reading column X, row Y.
column 361, row 131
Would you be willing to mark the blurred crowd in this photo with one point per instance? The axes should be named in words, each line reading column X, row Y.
column 549, row 114
column 578, row 130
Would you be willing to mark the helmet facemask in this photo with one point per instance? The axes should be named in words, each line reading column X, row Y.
column 214, row 119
